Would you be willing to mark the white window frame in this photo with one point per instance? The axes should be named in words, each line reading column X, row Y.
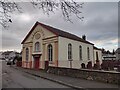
column 69, row 51
column 88, row 53
column 50, row 53
column 27, row 54
column 80, row 52
column 37, row 46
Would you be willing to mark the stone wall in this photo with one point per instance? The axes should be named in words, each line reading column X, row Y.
column 96, row 75
column 110, row 64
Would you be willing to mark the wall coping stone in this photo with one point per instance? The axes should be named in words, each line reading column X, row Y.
column 101, row 71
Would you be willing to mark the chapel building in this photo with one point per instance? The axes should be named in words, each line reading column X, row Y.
column 47, row 46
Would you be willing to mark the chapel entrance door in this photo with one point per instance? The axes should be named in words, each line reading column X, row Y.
column 36, row 62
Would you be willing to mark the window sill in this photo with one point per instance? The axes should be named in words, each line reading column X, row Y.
column 37, row 51
column 50, row 62
column 70, row 59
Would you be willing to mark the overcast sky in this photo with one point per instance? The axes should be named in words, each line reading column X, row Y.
column 100, row 25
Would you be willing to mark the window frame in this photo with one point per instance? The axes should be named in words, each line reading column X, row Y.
column 88, row 53
column 80, row 52
column 37, row 47
column 27, row 54
column 69, row 51
column 50, row 53
column 97, row 57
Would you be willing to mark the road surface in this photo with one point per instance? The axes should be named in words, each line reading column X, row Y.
column 12, row 78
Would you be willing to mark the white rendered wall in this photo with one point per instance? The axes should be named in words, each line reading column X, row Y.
column 30, row 42
column 99, row 55
column 63, row 53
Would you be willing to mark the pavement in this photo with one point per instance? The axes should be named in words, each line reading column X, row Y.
column 75, row 83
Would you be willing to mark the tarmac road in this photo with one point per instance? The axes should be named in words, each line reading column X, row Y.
column 12, row 78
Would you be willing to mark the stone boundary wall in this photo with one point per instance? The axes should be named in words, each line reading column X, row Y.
column 96, row 75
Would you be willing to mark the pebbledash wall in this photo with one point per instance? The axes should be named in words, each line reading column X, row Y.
column 95, row 75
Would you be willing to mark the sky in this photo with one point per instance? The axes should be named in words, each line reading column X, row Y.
column 100, row 25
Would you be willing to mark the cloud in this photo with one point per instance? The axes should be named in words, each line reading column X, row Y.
column 100, row 24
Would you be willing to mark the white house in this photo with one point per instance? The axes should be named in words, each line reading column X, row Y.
column 97, row 55
column 10, row 54
column 5, row 55
column 45, row 45
column 117, row 54
column 0, row 55
column 107, row 55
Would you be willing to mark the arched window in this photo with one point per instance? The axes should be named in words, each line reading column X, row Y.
column 80, row 52
column 27, row 54
column 69, row 51
column 97, row 56
column 50, row 52
column 88, row 53
column 37, row 46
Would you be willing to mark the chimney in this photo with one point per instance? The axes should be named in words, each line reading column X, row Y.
column 83, row 37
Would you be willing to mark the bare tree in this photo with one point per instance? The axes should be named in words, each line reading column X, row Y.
column 67, row 7
column 6, row 8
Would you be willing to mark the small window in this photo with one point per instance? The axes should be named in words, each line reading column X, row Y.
column 69, row 51
column 88, row 53
column 27, row 54
column 80, row 52
column 37, row 46
column 50, row 52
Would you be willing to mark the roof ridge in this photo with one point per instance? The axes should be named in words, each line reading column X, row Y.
column 64, row 32
column 59, row 29
column 58, row 32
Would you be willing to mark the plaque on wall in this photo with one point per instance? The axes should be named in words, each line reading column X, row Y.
column 37, row 36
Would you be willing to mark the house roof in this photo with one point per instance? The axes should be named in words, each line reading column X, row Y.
column 97, row 48
column 7, row 52
column 57, row 32
column 118, row 50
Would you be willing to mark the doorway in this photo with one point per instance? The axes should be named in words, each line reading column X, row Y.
column 36, row 62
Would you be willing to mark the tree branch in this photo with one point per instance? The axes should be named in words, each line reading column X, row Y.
column 68, row 8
